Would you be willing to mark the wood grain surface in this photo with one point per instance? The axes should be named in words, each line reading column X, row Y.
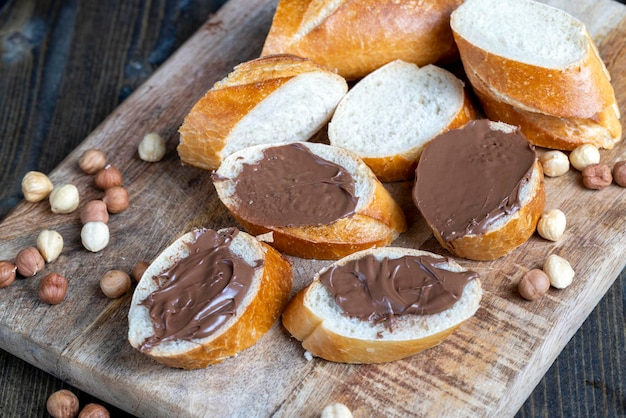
column 488, row 368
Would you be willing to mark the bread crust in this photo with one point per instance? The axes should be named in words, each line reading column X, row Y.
column 361, row 36
column 581, row 90
column 309, row 328
column 498, row 242
column 257, row 318
column 205, row 129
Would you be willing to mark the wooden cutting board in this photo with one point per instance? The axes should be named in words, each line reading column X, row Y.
column 487, row 368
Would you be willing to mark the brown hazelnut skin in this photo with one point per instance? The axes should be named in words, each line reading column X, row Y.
column 29, row 262
column 115, row 283
column 108, row 177
column 533, row 285
column 62, row 404
column 597, row 176
column 7, row 273
column 94, row 211
column 52, row 288
column 138, row 270
column 619, row 173
column 116, row 199
column 93, row 410
column 92, row 161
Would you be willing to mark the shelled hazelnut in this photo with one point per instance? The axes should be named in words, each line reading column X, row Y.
column 49, row 244
column 138, row 270
column 62, row 404
column 551, row 225
column 152, row 147
column 554, row 163
column 7, row 273
column 108, row 177
column 92, row 161
column 597, row 176
column 94, row 410
column 336, row 410
column 115, row 283
column 583, row 156
column 559, row 271
column 116, row 199
column 52, row 288
column 29, row 262
column 94, row 236
column 94, row 211
column 619, row 173
column 36, row 186
column 64, row 199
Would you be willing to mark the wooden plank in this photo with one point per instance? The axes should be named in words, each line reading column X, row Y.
column 486, row 368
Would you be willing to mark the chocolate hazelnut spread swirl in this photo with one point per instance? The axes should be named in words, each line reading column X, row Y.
column 291, row 186
column 379, row 290
column 469, row 178
column 202, row 290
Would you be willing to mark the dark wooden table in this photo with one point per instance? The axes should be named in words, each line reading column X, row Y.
column 66, row 65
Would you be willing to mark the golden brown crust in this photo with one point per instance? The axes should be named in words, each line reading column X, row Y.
column 501, row 241
column 579, row 91
column 205, row 128
column 402, row 166
column 361, row 36
column 376, row 225
column 554, row 132
column 255, row 321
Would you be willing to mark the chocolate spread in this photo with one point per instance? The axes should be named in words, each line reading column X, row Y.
column 379, row 290
column 202, row 290
column 290, row 186
column 469, row 178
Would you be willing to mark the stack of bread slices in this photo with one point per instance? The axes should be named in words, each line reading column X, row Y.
column 376, row 82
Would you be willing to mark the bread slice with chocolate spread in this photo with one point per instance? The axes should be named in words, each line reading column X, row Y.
column 536, row 66
column 494, row 189
column 280, row 98
column 405, row 301
column 317, row 201
column 390, row 115
column 208, row 296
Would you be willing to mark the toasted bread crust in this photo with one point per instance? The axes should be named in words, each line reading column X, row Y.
column 360, row 36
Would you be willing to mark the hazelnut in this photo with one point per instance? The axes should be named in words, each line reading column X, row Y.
column 64, row 199
column 62, row 404
column 597, row 176
column 551, row 225
column 138, row 270
column 92, row 161
column 583, row 156
column 7, row 273
column 559, row 271
column 152, row 147
column 94, row 211
column 36, row 186
column 533, row 285
column 49, row 244
column 29, row 262
column 93, row 410
column 94, row 236
column 555, row 163
column 52, row 288
column 115, row 283
column 619, row 173
column 109, row 176
column 116, row 199
column 336, row 410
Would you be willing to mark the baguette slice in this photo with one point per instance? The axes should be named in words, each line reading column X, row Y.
column 313, row 317
column 548, row 131
column 355, row 37
column 534, row 54
column 261, row 306
column 508, row 231
column 389, row 116
column 377, row 218
column 272, row 99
